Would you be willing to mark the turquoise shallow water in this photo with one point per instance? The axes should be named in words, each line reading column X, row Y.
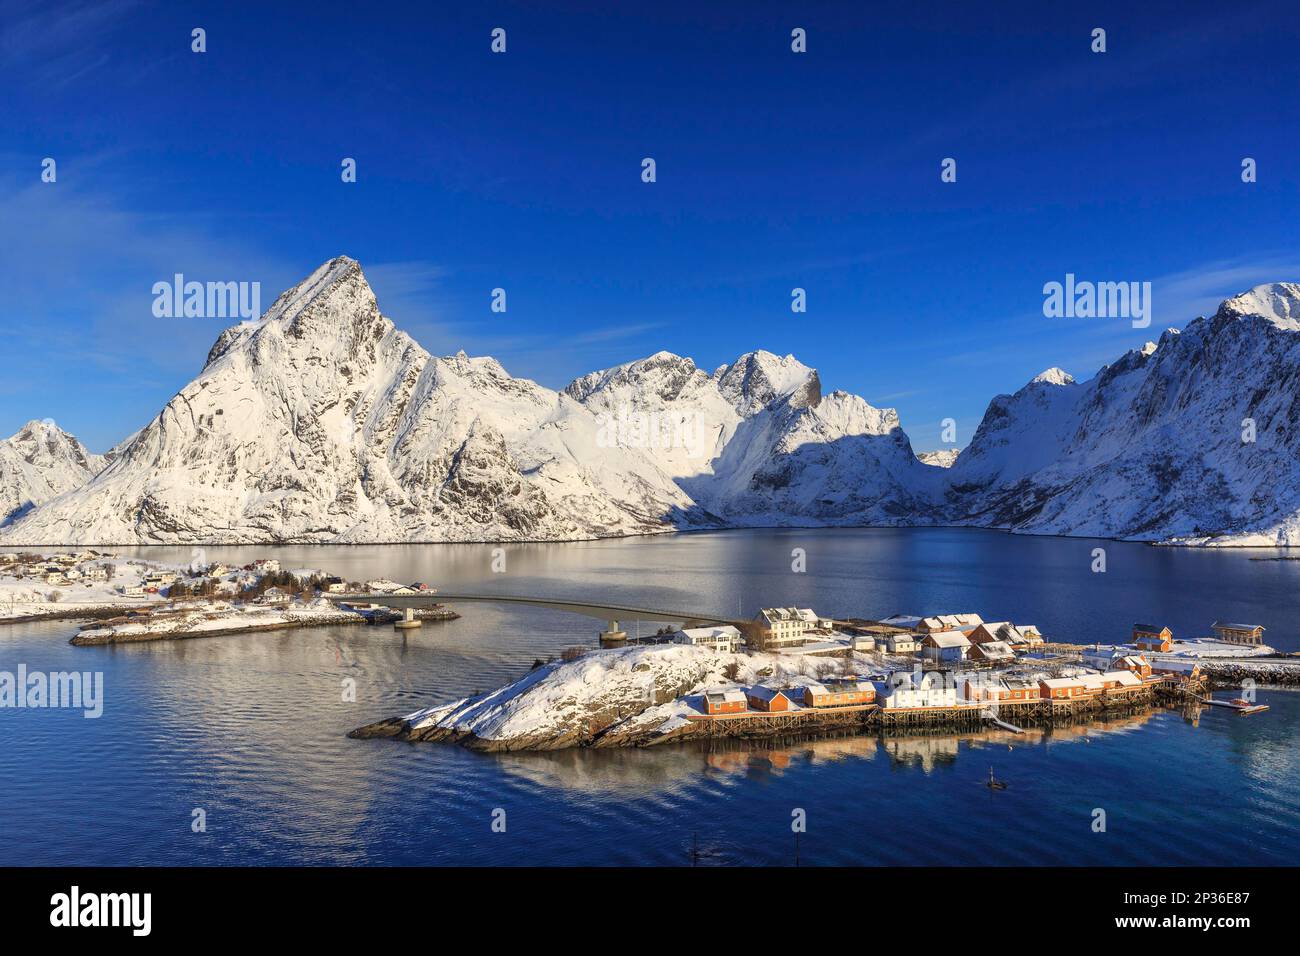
column 251, row 728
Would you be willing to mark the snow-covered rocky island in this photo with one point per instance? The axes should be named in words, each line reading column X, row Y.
column 632, row 696
column 793, row 672
column 135, row 600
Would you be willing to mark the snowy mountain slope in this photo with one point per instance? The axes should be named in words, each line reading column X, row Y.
column 832, row 460
column 942, row 458
column 762, row 446
column 1152, row 447
column 322, row 422
column 38, row 463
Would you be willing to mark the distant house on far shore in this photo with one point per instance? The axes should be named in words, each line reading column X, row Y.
column 273, row 596
column 1148, row 637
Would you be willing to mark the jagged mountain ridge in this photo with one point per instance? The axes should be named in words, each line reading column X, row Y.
column 322, row 422
column 1157, row 446
column 40, row 462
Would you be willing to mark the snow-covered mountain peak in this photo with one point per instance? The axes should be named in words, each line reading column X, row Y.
column 758, row 378
column 661, row 377
column 1278, row 302
column 39, row 462
column 1054, row 376
column 334, row 307
column 43, row 439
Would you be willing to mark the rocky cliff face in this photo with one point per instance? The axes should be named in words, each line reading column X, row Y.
column 1193, row 439
column 39, row 463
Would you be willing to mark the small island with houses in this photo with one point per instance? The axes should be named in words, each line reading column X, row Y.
column 793, row 671
column 132, row 600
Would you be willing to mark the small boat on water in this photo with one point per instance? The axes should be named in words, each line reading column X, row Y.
column 1245, row 707
column 994, row 783
column 1239, row 704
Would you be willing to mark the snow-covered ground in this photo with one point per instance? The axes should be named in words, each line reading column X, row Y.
column 643, row 689
column 32, row 597
column 1205, row 647
column 25, row 593
column 203, row 617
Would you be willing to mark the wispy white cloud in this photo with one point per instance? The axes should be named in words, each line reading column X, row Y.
column 53, row 45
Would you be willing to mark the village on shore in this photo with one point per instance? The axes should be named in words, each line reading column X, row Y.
column 945, row 664
column 133, row 599
column 791, row 671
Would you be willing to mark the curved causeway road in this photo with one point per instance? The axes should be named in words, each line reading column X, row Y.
column 605, row 612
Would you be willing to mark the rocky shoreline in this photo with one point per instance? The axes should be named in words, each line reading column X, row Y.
column 1273, row 672
column 632, row 734
column 78, row 614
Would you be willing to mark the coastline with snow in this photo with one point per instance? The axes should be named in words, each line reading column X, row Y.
column 134, row 600
column 649, row 695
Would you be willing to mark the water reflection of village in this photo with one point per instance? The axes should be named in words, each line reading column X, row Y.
column 918, row 751
column 728, row 761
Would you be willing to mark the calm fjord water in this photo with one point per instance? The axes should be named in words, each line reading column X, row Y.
column 251, row 728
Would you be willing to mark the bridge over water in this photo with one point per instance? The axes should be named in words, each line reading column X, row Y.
column 612, row 613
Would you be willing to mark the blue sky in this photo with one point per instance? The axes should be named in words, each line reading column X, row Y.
column 522, row 170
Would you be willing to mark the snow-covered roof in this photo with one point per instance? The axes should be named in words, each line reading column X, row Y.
column 789, row 614
column 721, row 696
column 1237, row 627
column 765, row 693
column 1018, row 683
column 996, row 649
column 1124, row 678
column 1175, row 665
column 1061, row 682
column 724, row 632
column 902, row 620
column 948, row 639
